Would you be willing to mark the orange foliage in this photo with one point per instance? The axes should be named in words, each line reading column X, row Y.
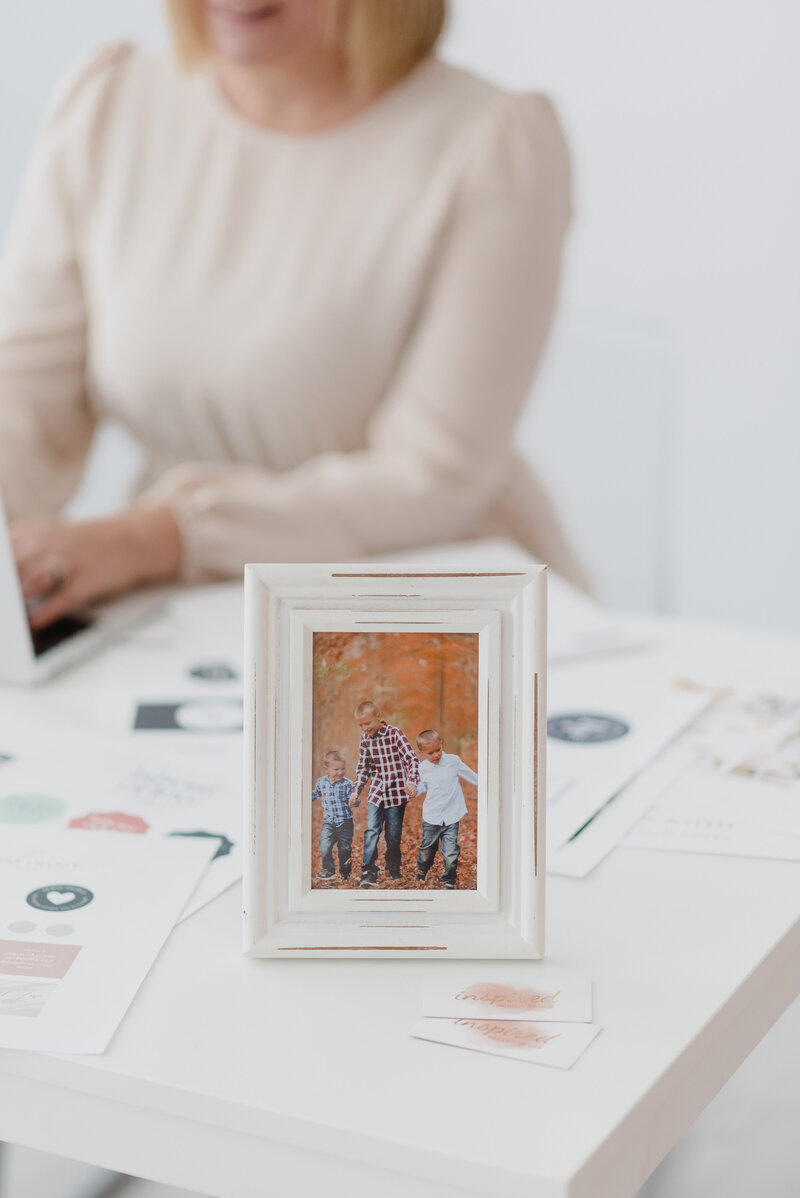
column 417, row 680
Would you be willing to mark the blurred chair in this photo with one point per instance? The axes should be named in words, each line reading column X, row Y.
column 601, row 429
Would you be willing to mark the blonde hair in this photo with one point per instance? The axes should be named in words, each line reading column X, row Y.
column 188, row 33
column 428, row 737
column 332, row 755
column 366, row 708
column 380, row 41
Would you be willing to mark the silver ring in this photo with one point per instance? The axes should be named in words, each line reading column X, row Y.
column 57, row 571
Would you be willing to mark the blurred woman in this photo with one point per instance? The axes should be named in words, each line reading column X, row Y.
column 311, row 268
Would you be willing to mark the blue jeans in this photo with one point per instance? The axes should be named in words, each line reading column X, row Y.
column 435, row 836
column 342, row 836
column 390, row 821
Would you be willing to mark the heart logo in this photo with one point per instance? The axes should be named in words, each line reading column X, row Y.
column 59, row 898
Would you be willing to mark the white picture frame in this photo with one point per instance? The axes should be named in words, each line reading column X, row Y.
column 502, row 915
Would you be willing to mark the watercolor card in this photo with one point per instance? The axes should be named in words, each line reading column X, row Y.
column 556, row 1045
column 507, row 995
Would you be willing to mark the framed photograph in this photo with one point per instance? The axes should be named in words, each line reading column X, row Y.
column 395, row 745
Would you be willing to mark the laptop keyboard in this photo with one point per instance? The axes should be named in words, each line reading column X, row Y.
column 55, row 634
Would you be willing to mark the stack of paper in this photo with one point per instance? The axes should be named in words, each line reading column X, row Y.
column 729, row 784
column 105, row 846
column 84, row 916
column 732, row 784
column 519, row 1013
column 604, row 728
column 112, row 785
column 111, row 836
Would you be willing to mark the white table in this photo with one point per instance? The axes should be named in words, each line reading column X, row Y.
column 240, row 1078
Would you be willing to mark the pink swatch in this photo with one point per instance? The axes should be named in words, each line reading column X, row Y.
column 28, row 958
column 110, row 821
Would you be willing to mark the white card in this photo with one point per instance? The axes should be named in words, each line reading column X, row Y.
column 661, row 829
column 185, row 717
column 507, row 994
column 84, row 917
column 605, row 831
column 556, row 1044
column 739, row 792
column 603, row 727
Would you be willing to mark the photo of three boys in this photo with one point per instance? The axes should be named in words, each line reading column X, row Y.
column 392, row 774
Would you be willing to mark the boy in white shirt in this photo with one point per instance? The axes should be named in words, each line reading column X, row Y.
column 444, row 804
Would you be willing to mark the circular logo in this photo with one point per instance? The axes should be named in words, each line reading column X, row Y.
column 202, row 716
column 59, row 898
column 586, row 728
column 214, row 672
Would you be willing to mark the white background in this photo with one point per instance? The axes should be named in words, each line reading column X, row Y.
column 664, row 417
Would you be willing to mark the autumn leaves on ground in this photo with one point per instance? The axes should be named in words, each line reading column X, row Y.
column 418, row 680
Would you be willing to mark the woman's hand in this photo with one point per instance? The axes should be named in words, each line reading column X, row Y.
column 64, row 566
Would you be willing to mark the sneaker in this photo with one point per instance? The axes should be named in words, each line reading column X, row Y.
column 449, row 884
column 395, row 874
column 326, row 875
column 345, row 877
column 367, row 880
column 420, row 877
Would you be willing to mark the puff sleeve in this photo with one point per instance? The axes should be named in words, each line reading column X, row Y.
column 438, row 446
column 46, row 424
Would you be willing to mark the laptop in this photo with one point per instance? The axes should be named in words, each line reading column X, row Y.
column 29, row 656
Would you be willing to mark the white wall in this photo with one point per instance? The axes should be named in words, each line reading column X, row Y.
column 682, row 118
column 677, row 354
column 39, row 41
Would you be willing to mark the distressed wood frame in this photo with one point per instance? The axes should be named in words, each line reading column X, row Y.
column 504, row 916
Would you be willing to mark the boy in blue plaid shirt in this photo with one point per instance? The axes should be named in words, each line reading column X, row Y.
column 337, row 827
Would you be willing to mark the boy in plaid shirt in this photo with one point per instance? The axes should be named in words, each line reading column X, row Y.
column 337, row 827
column 387, row 761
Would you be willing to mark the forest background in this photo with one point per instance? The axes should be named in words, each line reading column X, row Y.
column 417, row 681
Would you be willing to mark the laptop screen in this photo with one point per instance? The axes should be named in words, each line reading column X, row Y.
column 62, row 630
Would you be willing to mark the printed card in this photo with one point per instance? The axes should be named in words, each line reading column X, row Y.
column 508, row 996
column 84, row 914
column 112, row 785
column 557, row 1045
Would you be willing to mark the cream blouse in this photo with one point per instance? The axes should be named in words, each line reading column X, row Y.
column 322, row 341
